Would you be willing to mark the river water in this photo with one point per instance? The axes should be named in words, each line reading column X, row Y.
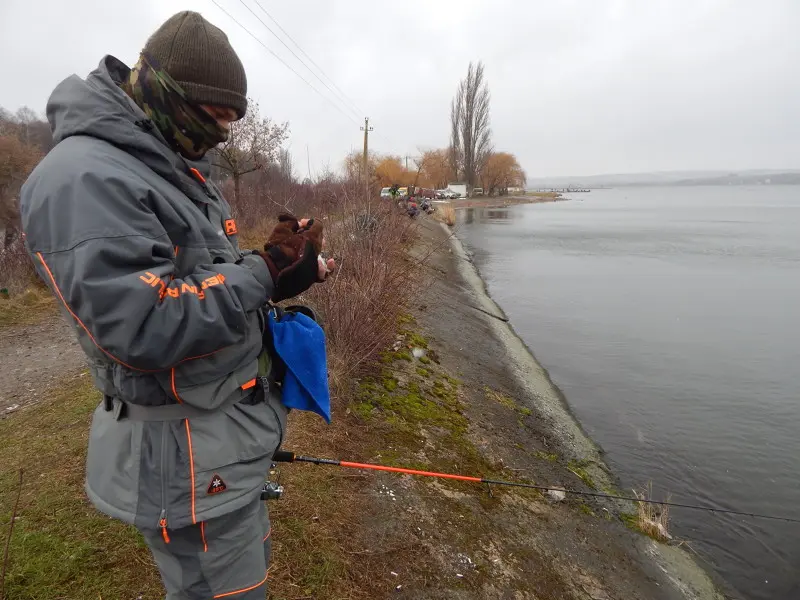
column 670, row 319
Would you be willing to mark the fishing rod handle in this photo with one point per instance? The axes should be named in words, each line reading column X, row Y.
column 283, row 456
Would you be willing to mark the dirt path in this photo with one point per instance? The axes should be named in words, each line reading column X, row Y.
column 34, row 359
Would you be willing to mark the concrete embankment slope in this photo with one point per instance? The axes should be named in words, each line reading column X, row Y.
column 583, row 542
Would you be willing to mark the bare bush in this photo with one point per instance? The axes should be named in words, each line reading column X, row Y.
column 361, row 302
column 16, row 268
column 17, row 160
column 265, row 194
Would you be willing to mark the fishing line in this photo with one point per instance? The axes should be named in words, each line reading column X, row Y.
column 286, row 456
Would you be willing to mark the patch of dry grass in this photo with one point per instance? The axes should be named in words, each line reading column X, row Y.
column 446, row 213
column 552, row 195
column 29, row 306
column 61, row 547
column 652, row 519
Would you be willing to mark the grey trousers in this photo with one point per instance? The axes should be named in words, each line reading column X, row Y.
column 226, row 557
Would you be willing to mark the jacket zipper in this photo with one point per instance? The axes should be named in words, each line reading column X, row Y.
column 162, row 521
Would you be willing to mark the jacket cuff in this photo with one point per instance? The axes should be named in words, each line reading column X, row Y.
column 258, row 267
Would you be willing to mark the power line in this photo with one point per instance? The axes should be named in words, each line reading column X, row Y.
column 389, row 141
column 343, row 95
column 284, row 63
column 297, row 57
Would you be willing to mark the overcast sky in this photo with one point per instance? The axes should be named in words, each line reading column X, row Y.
column 578, row 86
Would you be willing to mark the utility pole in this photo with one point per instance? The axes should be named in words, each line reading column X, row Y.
column 366, row 129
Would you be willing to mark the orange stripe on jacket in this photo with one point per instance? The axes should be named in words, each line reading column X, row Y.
column 191, row 467
column 95, row 342
column 175, row 389
column 74, row 316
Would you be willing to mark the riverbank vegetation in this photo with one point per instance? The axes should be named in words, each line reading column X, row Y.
column 652, row 519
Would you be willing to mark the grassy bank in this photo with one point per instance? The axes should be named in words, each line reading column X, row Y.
column 62, row 548
column 323, row 546
column 332, row 536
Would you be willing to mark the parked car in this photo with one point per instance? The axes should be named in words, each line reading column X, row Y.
column 386, row 193
column 477, row 192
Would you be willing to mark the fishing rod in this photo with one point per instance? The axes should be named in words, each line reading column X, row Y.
column 291, row 457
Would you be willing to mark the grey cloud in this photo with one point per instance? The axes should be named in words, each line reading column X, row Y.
column 582, row 86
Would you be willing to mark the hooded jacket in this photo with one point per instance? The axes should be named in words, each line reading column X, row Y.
column 141, row 252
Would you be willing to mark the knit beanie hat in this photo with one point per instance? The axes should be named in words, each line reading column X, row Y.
column 200, row 58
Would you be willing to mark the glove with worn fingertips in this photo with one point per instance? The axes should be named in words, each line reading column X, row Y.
column 291, row 254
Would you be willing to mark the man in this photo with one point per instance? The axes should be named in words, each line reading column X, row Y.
column 141, row 251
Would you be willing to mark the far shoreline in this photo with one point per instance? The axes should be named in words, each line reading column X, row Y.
column 507, row 201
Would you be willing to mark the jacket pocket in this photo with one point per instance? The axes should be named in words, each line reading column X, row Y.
column 257, row 428
column 211, row 381
column 115, row 463
column 227, row 454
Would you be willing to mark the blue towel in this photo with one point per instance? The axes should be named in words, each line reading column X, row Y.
column 300, row 343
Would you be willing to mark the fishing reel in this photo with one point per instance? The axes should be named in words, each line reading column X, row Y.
column 272, row 490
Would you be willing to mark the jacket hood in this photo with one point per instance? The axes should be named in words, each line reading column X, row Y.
column 98, row 107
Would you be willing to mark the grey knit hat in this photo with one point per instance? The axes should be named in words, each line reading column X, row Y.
column 200, row 58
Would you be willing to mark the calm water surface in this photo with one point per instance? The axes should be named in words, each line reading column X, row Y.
column 670, row 318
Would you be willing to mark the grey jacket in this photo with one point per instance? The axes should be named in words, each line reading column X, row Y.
column 142, row 254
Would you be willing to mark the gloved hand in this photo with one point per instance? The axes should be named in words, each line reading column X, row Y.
column 292, row 256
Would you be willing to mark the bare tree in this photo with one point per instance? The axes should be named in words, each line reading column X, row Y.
column 420, row 163
column 454, row 151
column 29, row 127
column 471, row 134
column 7, row 122
column 252, row 144
column 285, row 164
